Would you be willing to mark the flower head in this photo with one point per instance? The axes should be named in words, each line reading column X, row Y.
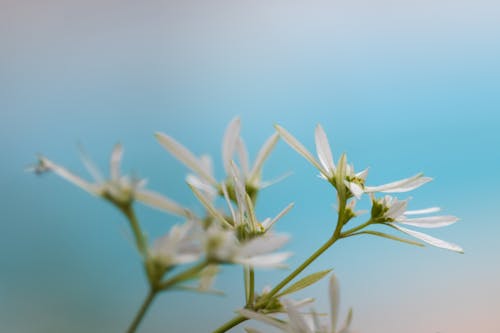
column 232, row 144
column 224, row 246
column 180, row 246
column 392, row 212
column 119, row 189
column 343, row 173
column 305, row 323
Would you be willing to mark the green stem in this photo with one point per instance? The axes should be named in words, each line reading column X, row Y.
column 185, row 275
column 251, row 296
column 359, row 227
column 142, row 311
column 136, row 229
column 299, row 269
column 230, row 324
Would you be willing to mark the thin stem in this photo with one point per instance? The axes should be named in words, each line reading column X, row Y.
column 136, row 229
column 230, row 324
column 251, row 295
column 303, row 266
column 142, row 311
column 359, row 227
column 187, row 274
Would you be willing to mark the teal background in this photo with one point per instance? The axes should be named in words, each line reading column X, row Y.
column 401, row 87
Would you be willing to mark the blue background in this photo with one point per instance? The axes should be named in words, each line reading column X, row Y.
column 401, row 87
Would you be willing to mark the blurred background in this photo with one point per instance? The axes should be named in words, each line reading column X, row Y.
column 402, row 87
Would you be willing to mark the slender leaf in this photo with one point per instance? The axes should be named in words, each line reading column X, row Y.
column 305, row 282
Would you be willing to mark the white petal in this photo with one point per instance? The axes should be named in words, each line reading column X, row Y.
column 156, row 200
column 268, row 183
column 239, row 188
column 423, row 211
column 201, row 185
column 273, row 260
column 334, row 292
column 297, row 321
column 243, row 156
column 396, row 207
column 362, row 174
column 115, row 161
column 263, row 318
column 429, row 239
column 430, row 221
column 399, row 186
column 263, row 244
column 295, row 144
column 355, row 189
column 72, row 178
column 209, row 207
column 185, row 156
column 229, row 142
column 262, row 156
column 91, row 167
column 323, row 150
column 268, row 223
column 228, row 201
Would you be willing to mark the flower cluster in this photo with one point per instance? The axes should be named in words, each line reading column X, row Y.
column 234, row 235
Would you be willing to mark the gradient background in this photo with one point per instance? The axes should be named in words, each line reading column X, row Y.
column 403, row 87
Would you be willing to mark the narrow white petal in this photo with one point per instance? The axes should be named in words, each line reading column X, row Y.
column 207, row 164
column 323, row 150
column 264, row 152
column 423, row 211
column 334, row 292
column 429, row 239
column 72, row 178
column 243, row 156
column 273, row 260
column 267, row 319
column 268, row 223
column 209, row 207
column 115, row 162
column 400, row 186
column 268, row 183
column 430, row 221
column 263, row 244
column 355, row 189
column 228, row 201
column 91, row 167
column 295, row 144
column 362, row 174
column 297, row 322
column 239, row 188
column 396, row 208
column 185, row 156
column 156, row 200
column 229, row 142
column 201, row 185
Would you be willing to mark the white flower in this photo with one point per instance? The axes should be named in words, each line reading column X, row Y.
column 223, row 246
column 243, row 218
column 395, row 214
column 121, row 190
column 180, row 246
column 232, row 143
column 300, row 323
column 355, row 182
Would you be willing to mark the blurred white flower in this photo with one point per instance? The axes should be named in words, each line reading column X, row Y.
column 393, row 213
column 243, row 218
column 304, row 323
column 355, row 182
column 223, row 246
column 181, row 245
column 121, row 190
column 232, row 144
